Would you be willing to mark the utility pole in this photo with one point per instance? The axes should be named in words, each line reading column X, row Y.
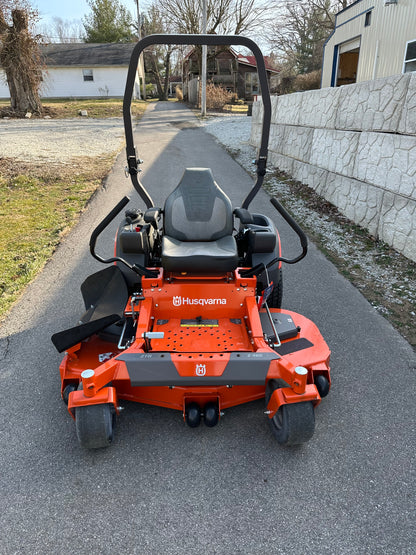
column 204, row 62
column 141, row 59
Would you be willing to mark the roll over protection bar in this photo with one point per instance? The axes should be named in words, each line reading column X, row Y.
column 209, row 40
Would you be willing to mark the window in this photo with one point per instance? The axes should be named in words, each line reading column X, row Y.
column 211, row 64
column 410, row 57
column 252, row 83
column 367, row 21
column 88, row 75
column 348, row 54
column 224, row 67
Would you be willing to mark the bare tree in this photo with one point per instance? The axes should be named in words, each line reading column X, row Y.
column 158, row 58
column 63, row 31
column 223, row 16
column 185, row 16
column 299, row 32
column 20, row 58
column 328, row 7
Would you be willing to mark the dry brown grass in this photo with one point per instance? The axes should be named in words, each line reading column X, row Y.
column 178, row 93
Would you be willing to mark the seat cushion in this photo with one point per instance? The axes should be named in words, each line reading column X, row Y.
column 198, row 209
column 199, row 257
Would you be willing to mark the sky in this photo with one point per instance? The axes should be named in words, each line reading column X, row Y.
column 73, row 9
column 76, row 9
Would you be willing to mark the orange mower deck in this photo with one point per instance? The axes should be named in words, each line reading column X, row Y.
column 222, row 358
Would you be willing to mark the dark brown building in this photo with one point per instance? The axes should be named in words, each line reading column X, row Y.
column 236, row 72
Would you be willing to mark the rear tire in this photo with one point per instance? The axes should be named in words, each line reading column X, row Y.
column 292, row 424
column 276, row 296
column 95, row 425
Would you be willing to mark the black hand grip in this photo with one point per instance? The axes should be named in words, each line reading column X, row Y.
column 102, row 225
column 296, row 228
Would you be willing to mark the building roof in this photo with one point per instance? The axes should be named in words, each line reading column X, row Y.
column 87, row 54
column 251, row 61
column 242, row 59
column 348, row 7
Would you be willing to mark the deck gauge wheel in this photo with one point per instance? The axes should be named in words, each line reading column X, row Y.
column 293, row 424
column 95, row 425
column 211, row 414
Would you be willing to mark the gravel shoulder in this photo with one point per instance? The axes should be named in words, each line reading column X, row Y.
column 59, row 141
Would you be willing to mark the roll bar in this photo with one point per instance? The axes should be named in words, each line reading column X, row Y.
column 209, row 40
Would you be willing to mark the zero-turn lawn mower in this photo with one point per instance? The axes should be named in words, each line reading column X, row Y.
column 187, row 314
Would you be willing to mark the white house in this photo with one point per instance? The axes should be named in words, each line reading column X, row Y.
column 84, row 70
column 371, row 39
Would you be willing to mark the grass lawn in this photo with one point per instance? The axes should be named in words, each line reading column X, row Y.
column 96, row 107
column 237, row 108
column 38, row 206
column 39, row 203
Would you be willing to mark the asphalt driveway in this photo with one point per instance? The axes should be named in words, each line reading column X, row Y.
column 165, row 488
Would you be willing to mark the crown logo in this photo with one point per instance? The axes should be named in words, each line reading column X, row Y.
column 200, row 370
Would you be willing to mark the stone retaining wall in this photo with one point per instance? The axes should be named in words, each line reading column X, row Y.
column 356, row 146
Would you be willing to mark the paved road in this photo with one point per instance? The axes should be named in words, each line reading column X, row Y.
column 165, row 488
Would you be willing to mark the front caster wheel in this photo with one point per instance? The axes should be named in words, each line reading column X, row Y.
column 322, row 385
column 193, row 415
column 292, row 424
column 95, row 425
column 68, row 389
column 211, row 414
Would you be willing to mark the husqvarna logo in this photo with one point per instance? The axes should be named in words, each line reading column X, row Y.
column 179, row 301
column 200, row 370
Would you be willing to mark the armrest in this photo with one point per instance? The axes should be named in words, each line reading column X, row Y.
column 152, row 216
column 243, row 215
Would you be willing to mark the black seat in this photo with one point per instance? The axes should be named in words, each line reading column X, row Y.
column 198, row 226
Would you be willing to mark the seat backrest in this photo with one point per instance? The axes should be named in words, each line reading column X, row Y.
column 198, row 210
